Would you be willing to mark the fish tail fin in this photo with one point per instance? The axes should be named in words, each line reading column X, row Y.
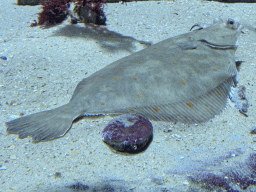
column 42, row 126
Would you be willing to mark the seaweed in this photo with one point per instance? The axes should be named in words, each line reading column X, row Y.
column 55, row 12
column 90, row 11
column 244, row 173
column 235, row 1
column 209, row 181
column 232, row 179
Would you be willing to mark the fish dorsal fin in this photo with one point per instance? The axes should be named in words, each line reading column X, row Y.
column 195, row 110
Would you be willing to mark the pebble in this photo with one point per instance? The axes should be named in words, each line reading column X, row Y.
column 13, row 157
column 57, row 175
column 177, row 136
column 253, row 131
column 3, row 57
column 11, row 147
column 2, row 168
column 167, row 131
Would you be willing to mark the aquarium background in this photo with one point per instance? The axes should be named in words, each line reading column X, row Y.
column 40, row 68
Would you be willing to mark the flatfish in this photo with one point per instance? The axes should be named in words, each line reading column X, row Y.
column 185, row 79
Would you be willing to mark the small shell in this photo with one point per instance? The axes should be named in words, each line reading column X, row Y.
column 238, row 96
column 128, row 133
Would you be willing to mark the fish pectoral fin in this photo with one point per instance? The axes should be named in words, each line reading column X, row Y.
column 42, row 126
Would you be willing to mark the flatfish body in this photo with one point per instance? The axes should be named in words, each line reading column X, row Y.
column 185, row 79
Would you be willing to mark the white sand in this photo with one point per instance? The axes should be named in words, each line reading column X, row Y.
column 44, row 67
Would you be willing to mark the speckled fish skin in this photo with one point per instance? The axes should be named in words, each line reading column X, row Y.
column 186, row 79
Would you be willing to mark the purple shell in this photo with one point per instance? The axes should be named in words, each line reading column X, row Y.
column 128, row 133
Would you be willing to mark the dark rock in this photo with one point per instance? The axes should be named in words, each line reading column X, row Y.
column 128, row 133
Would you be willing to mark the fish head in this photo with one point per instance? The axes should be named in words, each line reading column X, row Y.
column 223, row 34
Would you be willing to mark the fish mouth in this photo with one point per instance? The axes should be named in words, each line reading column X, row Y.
column 214, row 46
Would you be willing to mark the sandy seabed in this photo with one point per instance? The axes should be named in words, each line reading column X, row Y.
column 43, row 67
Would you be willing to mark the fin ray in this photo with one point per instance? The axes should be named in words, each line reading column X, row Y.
column 195, row 110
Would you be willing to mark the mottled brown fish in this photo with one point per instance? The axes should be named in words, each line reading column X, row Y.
column 185, row 79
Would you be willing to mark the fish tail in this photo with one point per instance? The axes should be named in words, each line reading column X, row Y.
column 42, row 126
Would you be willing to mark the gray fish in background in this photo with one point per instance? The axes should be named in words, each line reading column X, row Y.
column 185, row 79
